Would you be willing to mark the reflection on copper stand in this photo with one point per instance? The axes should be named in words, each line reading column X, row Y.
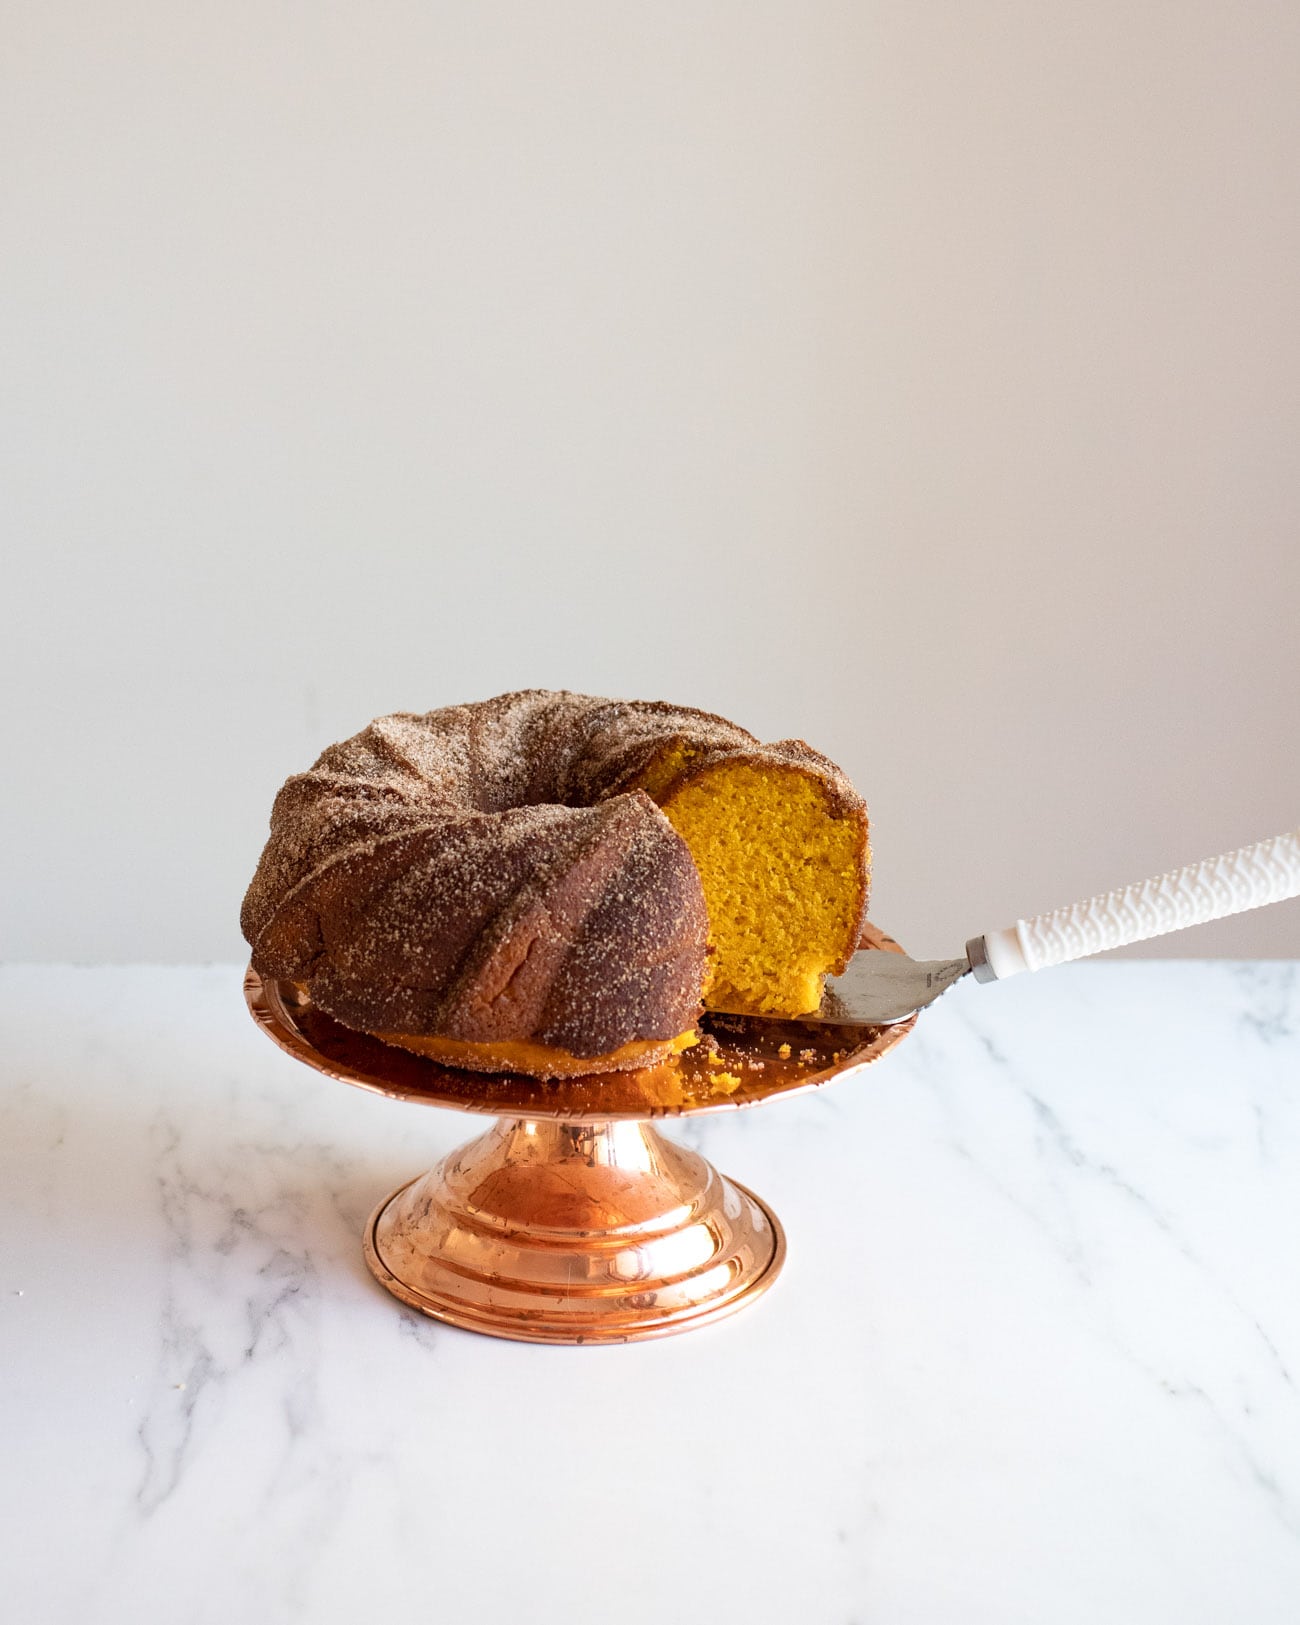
column 573, row 1220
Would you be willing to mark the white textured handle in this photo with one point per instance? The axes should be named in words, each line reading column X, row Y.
column 1268, row 872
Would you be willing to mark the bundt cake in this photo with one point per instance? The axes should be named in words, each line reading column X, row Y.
column 555, row 884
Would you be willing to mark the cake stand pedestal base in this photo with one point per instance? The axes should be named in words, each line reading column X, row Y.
column 553, row 1232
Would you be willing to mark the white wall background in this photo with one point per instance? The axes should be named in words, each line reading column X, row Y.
column 922, row 378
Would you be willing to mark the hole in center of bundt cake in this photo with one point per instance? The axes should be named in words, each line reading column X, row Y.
column 782, row 878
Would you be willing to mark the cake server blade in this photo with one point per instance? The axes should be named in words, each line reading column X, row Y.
column 879, row 987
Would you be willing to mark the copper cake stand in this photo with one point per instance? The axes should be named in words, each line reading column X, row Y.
column 573, row 1220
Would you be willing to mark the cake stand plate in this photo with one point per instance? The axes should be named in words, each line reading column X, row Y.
column 573, row 1219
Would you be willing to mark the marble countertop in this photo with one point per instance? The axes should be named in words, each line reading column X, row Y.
column 1034, row 1356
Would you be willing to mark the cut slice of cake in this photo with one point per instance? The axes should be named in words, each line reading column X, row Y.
column 780, row 839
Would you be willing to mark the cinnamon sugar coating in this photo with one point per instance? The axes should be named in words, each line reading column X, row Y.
column 491, row 872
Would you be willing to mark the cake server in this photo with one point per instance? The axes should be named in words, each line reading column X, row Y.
column 880, row 986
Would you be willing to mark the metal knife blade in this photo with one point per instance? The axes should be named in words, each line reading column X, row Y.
column 879, row 988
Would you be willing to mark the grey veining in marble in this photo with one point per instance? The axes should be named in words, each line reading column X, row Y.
column 1035, row 1356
